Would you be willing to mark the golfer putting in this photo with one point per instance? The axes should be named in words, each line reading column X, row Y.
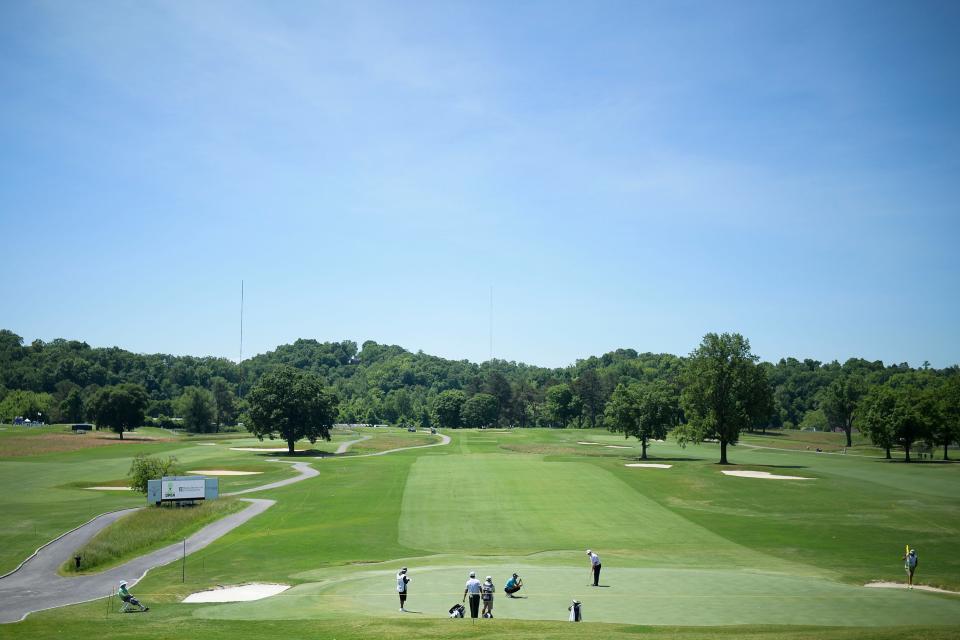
column 594, row 567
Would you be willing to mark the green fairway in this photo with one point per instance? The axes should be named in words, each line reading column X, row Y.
column 681, row 547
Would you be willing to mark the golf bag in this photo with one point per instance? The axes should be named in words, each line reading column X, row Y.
column 574, row 610
column 456, row 611
column 488, row 615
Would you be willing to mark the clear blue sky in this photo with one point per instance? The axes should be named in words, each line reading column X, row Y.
column 627, row 174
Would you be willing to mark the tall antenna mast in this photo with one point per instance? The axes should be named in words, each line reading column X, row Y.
column 491, row 322
column 240, row 387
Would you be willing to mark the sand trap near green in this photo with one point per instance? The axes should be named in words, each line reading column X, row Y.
column 636, row 596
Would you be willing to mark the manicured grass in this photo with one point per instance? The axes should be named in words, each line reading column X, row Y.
column 143, row 531
column 387, row 439
column 687, row 551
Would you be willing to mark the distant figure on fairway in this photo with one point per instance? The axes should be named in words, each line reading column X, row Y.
column 402, row 581
column 910, row 562
column 513, row 585
column 128, row 598
column 473, row 589
column 595, row 567
column 487, row 590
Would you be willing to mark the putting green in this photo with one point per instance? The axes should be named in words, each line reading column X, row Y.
column 638, row 596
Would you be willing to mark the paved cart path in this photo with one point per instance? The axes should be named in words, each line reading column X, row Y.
column 35, row 585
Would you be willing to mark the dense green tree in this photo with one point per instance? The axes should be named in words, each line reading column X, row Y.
column 72, row 408
column 589, row 392
column 224, row 402
column 291, row 404
column 646, row 411
column 36, row 407
column 119, row 407
column 876, row 417
column 899, row 412
column 839, row 403
column 447, row 407
column 197, row 408
column 725, row 391
column 946, row 431
column 480, row 410
column 559, row 405
column 144, row 469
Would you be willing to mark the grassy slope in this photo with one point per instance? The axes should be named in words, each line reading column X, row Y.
column 146, row 530
column 392, row 507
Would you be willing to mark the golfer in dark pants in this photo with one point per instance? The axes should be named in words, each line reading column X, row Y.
column 473, row 590
column 595, row 565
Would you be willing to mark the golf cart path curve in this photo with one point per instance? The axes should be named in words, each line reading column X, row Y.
column 443, row 441
column 36, row 585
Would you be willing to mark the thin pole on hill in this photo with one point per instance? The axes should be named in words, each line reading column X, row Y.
column 183, row 563
column 491, row 322
column 240, row 386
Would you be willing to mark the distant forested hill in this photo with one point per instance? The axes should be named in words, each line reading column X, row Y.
column 378, row 383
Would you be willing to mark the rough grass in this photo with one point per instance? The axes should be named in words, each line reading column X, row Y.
column 145, row 530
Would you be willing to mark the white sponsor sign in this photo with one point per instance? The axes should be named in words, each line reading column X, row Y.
column 192, row 489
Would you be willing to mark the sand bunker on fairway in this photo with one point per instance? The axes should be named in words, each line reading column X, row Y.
column 578, row 442
column 111, row 488
column 224, row 472
column 644, row 465
column 765, row 475
column 205, row 444
column 617, row 446
column 242, row 593
column 262, row 449
column 901, row 585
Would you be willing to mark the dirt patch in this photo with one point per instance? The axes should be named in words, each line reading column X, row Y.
column 241, row 593
column 224, row 472
column 40, row 444
column 763, row 475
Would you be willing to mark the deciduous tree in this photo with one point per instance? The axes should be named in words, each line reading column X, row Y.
column 645, row 411
column 119, row 407
column 291, row 404
column 724, row 391
column 480, row 410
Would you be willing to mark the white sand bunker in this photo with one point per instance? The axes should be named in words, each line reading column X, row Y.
column 644, row 465
column 766, row 475
column 243, row 593
column 205, row 444
column 262, row 449
column 111, row 488
column 617, row 446
column 224, row 472
column 901, row 585
column 578, row 442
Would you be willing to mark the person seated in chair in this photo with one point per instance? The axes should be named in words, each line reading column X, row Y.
column 128, row 598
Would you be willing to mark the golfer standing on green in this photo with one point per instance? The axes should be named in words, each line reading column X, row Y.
column 595, row 567
column 473, row 589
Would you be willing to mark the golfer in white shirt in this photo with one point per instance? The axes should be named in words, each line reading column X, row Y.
column 595, row 567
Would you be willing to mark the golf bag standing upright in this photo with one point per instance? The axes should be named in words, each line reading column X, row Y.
column 574, row 610
column 456, row 611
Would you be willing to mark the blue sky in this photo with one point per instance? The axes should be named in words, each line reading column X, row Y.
column 622, row 174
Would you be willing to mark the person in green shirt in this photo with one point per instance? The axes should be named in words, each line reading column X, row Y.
column 128, row 598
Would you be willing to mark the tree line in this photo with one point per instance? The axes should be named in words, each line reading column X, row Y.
column 627, row 391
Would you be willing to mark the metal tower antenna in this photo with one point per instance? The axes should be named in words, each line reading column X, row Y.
column 491, row 322
column 240, row 386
